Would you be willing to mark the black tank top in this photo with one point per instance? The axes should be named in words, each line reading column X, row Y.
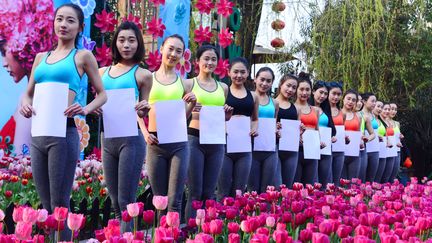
column 243, row 106
column 289, row 114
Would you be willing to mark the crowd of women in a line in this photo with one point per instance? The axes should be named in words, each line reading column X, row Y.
column 206, row 169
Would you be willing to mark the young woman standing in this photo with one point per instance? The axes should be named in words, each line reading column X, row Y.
column 236, row 166
column 54, row 158
column 264, row 163
column 287, row 164
column 167, row 164
column 307, row 169
column 372, row 157
column 399, row 136
column 383, row 142
column 320, row 99
column 207, row 159
column 335, row 94
column 123, row 157
column 385, row 119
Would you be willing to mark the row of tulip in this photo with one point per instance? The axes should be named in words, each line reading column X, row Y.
column 353, row 212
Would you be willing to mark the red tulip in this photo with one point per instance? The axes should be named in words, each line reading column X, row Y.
column 343, row 231
column 233, row 238
column 163, row 235
column 297, row 206
column 60, row 213
column 297, row 186
column 300, row 219
column 231, row 213
column 233, row 227
column 197, row 204
column 286, row 217
column 126, row 217
column 148, row 216
column 38, row 239
column 320, row 238
column 192, row 223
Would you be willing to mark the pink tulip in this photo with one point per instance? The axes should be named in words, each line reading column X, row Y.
column 42, row 215
column 148, row 216
column 422, row 223
column 192, row 223
column 163, row 235
column 212, row 212
column 17, row 214
column 363, row 230
column 197, row 204
column 263, row 231
column 60, row 213
column 320, row 238
column 297, row 206
column 2, row 215
column 325, row 227
column 173, row 219
column 200, row 214
column 206, row 227
column 128, row 236
column 133, row 209
column 281, row 236
column 362, row 239
column 389, row 238
column 100, row 235
column 23, row 230
column 259, row 238
column 343, row 231
column 326, row 210
column 233, row 238
column 160, row 202
column 270, row 222
column 286, row 217
column 216, row 227
column 204, row 238
column 233, row 227
column 74, row 221
column 38, row 239
column 112, row 229
column 30, row 215
column 305, row 235
column 297, row 186
column 330, row 199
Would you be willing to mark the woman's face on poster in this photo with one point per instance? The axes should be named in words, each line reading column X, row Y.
column 12, row 66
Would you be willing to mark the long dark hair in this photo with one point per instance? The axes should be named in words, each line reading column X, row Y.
column 139, row 54
column 325, row 105
column 80, row 15
column 380, row 117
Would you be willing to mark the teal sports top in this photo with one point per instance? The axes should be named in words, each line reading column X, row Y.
column 267, row 111
column 323, row 120
column 126, row 80
column 62, row 71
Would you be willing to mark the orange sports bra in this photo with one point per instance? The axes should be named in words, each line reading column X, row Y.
column 353, row 124
column 309, row 120
column 390, row 131
column 338, row 120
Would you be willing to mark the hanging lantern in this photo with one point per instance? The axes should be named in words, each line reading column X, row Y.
column 277, row 42
column 278, row 25
column 278, row 7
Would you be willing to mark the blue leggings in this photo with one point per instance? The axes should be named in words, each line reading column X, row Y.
column 337, row 165
column 324, row 170
column 287, row 166
column 372, row 166
column 263, row 169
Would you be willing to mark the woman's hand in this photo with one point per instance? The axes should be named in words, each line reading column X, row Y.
column 26, row 109
column 190, row 98
column 228, row 112
column 347, row 140
column 75, row 109
column 333, row 139
column 151, row 139
column 97, row 112
column 322, row 145
column 142, row 108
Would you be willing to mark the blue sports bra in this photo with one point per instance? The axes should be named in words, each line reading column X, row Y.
column 124, row 81
column 267, row 111
column 62, row 71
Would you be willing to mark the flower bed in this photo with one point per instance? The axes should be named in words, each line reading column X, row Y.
column 353, row 212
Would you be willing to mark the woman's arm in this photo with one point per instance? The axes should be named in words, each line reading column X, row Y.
column 26, row 108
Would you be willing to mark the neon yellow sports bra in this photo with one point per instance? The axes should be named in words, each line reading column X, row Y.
column 159, row 91
column 209, row 98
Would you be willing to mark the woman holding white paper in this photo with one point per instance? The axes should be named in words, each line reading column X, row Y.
column 391, row 157
column 167, row 163
column 287, row 164
column 54, row 158
column 383, row 142
column 236, row 166
column 369, row 100
column 307, row 169
column 319, row 99
column 398, row 137
column 264, row 162
column 338, row 118
column 207, row 159
column 351, row 168
column 123, row 154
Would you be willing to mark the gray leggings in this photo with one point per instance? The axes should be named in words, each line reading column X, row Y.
column 351, row 167
column 396, row 166
column 123, row 159
column 263, row 169
column 234, row 174
column 204, row 169
column 380, row 171
column 307, row 170
column 363, row 165
column 167, row 166
column 372, row 166
column 53, row 164
column 286, row 169
column 388, row 169
column 324, row 169
column 337, row 165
